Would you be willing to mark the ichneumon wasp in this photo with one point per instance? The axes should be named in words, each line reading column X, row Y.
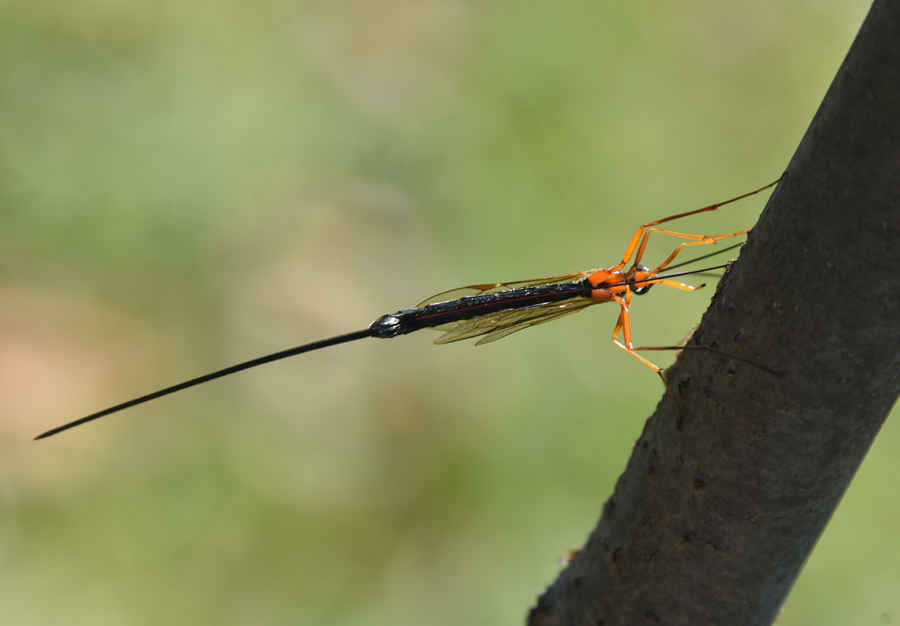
column 493, row 311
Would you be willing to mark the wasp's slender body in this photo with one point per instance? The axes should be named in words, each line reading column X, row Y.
column 493, row 311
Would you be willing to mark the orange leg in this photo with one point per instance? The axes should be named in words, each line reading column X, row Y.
column 623, row 325
column 701, row 240
column 672, row 283
column 639, row 240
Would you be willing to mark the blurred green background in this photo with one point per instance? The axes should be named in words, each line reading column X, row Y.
column 185, row 185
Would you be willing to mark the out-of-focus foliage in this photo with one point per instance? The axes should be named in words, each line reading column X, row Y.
column 184, row 185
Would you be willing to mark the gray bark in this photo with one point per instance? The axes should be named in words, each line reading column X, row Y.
column 718, row 510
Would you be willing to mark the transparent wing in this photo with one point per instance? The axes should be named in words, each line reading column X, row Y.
column 475, row 290
column 497, row 325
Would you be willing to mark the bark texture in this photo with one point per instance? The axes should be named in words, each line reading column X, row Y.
column 718, row 510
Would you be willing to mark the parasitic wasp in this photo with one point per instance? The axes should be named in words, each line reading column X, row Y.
column 493, row 311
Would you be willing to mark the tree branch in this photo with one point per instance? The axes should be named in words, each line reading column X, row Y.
column 717, row 512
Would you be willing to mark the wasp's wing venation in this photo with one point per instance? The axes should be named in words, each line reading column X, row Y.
column 498, row 325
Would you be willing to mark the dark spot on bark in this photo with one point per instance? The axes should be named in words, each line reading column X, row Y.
column 687, row 536
column 684, row 383
column 576, row 582
column 651, row 469
column 699, row 480
column 718, row 546
column 649, row 556
column 616, row 554
column 652, row 615
column 611, row 506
